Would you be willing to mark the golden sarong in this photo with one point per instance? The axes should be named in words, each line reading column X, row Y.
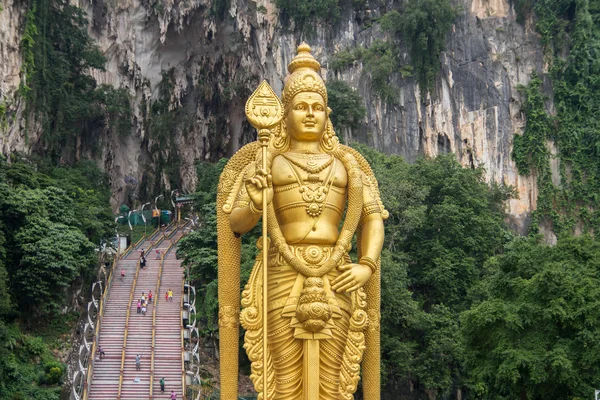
column 340, row 341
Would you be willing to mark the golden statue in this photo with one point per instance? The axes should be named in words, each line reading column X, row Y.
column 322, row 310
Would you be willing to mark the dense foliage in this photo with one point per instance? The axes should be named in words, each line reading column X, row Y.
column 347, row 103
column 534, row 332
column 51, row 221
column 569, row 27
column 58, row 55
column 445, row 221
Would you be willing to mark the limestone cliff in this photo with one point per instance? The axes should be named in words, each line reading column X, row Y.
column 214, row 62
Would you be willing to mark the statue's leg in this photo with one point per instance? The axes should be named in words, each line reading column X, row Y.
column 286, row 351
column 332, row 351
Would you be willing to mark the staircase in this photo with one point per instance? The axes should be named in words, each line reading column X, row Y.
column 106, row 374
column 124, row 334
column 168, row 361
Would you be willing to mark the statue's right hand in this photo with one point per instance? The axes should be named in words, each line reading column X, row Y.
column 255, row 186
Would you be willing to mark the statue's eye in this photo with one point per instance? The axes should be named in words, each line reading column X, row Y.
column 319, row 107
column 299, row 107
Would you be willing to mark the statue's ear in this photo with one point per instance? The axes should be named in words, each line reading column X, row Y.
column 329, row 110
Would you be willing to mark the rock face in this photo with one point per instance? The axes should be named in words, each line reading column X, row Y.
column 215, row 61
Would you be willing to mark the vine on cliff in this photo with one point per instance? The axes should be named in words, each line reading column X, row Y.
column 575, row 129
column 305, row 12
column 421, row 27
column 65, row 100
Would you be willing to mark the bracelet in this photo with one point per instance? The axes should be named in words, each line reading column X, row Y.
column 369, row 262
column 254, row 210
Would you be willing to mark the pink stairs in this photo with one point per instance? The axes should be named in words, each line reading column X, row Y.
column 107, row 381
column 168, row 348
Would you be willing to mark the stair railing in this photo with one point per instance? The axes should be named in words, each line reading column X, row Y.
column 183, row 382
column 125, row 333
column 158, row 281
column 102, row 301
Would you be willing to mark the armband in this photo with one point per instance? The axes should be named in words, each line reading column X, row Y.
column 371, row 207
column 369, row 262
column 254, row 210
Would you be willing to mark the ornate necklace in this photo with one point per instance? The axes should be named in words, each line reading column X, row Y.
column 311, row 166
column 313, row 192
column 310, row 156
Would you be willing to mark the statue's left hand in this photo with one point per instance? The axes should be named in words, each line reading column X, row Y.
column 353, row 277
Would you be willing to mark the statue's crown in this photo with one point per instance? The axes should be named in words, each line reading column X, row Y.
column 304, row 76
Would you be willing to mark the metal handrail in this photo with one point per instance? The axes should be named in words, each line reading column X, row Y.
column 90, row 368
column 158, row 281
column 183, row 383
column 125, row 333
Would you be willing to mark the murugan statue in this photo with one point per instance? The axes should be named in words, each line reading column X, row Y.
column 321, row 310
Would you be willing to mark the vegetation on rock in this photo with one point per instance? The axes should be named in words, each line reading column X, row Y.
column 58, row 55
column 419, row 28
column 571, row 201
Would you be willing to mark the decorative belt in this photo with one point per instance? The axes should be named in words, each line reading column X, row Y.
column 314, row 255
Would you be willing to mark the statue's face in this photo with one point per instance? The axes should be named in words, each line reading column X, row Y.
column 306, row 117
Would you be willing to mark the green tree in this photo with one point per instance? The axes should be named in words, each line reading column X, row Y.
column 445, row 222
column 347, row 105
column 52, row 255
column 533, row 331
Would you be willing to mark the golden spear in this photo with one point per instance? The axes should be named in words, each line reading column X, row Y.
column 264, row 111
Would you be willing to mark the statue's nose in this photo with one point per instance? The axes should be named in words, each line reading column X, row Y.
column 310, row 111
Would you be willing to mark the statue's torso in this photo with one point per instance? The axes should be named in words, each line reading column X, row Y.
column 322, row 190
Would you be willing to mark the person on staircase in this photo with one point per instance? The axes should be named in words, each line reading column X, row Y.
column 143, row 262
column 101, row 352
column 122, row 274
column 173, row 395
column 162, row 385
column 138, row 362
column 139, row 306
column 170, row 295
column 167, row 295
column 149, row 296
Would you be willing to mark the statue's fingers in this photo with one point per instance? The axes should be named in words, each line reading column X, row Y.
column 261, row 182
column 343, row 282
column 353, row 288
column 344, row 267
column 340, row 278
column 252, row 181
column 270, row 180
column 347, row 286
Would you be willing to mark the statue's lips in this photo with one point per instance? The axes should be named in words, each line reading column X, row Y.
column 310, row 124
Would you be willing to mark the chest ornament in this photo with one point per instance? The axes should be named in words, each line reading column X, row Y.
column 313, row 190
